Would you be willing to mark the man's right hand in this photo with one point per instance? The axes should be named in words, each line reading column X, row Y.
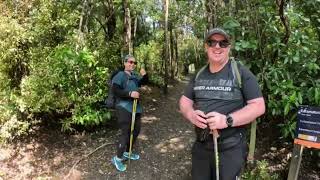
column 135, row 94
column 198, row 118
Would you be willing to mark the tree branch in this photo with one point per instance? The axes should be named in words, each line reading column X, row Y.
column 85, row 156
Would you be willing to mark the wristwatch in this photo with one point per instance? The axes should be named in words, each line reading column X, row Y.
column 229, row 120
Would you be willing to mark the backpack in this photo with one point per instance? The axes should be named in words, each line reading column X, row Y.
column 112, row 99
column 236, row 73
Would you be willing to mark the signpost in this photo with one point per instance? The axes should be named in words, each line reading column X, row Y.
column 307, row 135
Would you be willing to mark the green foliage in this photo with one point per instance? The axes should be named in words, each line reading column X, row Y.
column 149, row 57
column 67, row 81
column 50, row 64
column 45, row 68
column 13, row 66
column 287, row 72
column 260, row 172
column 13, row 126
column 290, row 80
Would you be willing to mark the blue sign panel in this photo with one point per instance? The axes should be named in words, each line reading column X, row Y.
column 308, row 125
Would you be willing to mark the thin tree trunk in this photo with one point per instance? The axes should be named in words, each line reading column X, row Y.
column 172, row 57
column 284, row 19
column 80, row 28
column 134, row 32
column 135, row 27
column 110, row 19
column 176, row 52
column 214, row 13
column 209, row 7
column 83, row 11
column 127, row 28
column 88, row 14
column 165, row 88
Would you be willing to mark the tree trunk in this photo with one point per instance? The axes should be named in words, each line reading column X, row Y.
column 176, row 52
column 80, row 28
column 209, row 9
column 166, row 9
column 172, row 57
column 127, row 49
column 83, row 11
column 110, row 20
column 284, row 19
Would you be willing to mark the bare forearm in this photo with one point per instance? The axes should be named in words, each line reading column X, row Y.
column 196, row 117
column 250, row 112
column 185, row 108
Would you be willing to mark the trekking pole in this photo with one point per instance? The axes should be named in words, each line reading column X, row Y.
column 215, row 135
column 133, row 119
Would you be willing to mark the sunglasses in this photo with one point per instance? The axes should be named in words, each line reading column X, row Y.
column 222, row 44
column 132, row 62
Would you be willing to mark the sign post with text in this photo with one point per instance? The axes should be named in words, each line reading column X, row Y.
column 307, row 135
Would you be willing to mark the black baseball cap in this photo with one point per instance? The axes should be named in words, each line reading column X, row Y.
column 217, row 31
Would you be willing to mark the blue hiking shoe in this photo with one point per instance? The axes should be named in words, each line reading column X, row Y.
column 118, row 163
column 132, row 157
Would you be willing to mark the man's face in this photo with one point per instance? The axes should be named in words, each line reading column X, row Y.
column 217, row 49
column 130, row 64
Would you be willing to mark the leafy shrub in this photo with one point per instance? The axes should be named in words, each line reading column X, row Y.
column 260, row 172
column 68, row 81
column 13, row 60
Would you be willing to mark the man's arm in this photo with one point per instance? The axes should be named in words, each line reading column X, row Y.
column 253, row 109
column 196, row 117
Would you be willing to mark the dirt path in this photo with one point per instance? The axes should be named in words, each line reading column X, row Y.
column 164, row 142
column 164, row 145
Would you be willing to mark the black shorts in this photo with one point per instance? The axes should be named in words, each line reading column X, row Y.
column 232, row 156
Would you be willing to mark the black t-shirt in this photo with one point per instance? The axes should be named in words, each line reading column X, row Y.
column 220, row 91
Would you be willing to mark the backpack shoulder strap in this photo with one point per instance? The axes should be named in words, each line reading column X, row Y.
column 253, row 129
column 235, row 71
column 126, row 77
column 200, row 71
column 252, row 144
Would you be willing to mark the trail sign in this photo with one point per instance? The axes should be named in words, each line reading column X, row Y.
column 308, row 126
column 307, row 135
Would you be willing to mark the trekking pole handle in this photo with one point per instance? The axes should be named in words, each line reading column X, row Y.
column 215, row 133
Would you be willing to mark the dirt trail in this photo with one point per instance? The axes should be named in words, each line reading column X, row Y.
column 164, row 144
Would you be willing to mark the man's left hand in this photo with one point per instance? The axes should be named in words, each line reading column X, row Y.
column 216, row 120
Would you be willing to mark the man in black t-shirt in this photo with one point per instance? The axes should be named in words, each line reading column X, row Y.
column 214, row 100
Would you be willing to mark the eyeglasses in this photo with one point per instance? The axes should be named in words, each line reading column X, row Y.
column 222, row 44
column 132, row 62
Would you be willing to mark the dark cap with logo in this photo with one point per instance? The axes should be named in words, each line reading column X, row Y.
column 217, row 31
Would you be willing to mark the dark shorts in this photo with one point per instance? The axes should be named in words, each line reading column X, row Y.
column 232, row 155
